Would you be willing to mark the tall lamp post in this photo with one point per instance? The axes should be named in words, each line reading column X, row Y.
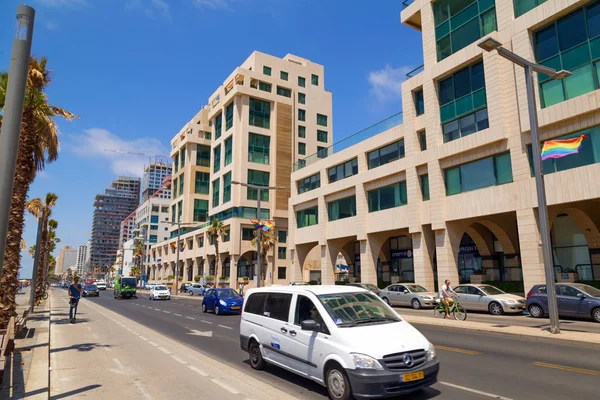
column 179, row 225
column 258, row 211
column 490, row 44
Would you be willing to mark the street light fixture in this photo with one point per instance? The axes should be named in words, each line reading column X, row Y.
column 490, row 44
column 258, row 211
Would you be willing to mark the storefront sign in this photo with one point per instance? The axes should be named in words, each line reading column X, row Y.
column 469, row 249
column 398, row 254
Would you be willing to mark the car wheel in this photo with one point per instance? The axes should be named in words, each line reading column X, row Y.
column 495, row 308
column 256, row 359
column 386, row 300
column 337, row 383
column 204, row 308
column 416, row 304
column 217, row 311
column 190, row 293
column 536, row 311
column 596, row 314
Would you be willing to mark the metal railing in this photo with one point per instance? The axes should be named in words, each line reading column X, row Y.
column 351, row 140
column 407, row 3
column 415, row 71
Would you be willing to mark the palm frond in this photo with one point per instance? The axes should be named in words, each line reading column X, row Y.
column 34, row 206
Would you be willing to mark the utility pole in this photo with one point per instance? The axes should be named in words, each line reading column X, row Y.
column 13, row 113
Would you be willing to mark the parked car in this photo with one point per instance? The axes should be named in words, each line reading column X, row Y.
column 482, row 297
column 367, row 286
column 197, row 289
column 222, row 301
column 573, row 299
column 408, row 294
column 159, row 292
column 149, row 286
column 101, row 285
column 91, row 290
column 342, row 337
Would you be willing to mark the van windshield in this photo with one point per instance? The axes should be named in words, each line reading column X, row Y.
column 352, row 309
column 128, row 282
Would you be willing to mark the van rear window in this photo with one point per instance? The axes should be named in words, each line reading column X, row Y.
column 255, row 303
column 278, row 306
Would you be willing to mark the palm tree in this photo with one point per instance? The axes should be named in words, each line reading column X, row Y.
column 215, row 230
column 267, row 243
column 38, row 144
column 52, row 242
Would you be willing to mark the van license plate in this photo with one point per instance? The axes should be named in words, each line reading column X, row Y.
column 235, row 308
column 414, row 376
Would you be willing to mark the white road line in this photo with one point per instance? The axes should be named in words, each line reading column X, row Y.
column 153, row 344
column 206, row 322
column 190, row 318
column 136, row 304
column 223, row 326
column 143, row 338
column 177, row 315
column 179, row 360
column 466, row 389
column 140, row 387
column 167, row 312
column 156, row 309
column 225, row 386
column 95, row 336
column 197, row 370
column 167, row 352
column 116, row 360
column 106, row 348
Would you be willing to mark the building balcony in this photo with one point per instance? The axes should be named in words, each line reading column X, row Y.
column 411, row 15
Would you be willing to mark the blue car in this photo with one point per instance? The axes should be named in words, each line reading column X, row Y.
column 222, row 301
column 574, row 300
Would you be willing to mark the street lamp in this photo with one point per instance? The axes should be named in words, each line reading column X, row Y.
column 258, row 234
column 490, row 44
column 179, row 224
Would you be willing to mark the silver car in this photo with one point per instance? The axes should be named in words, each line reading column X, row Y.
column 197, row 289
column 408, row 294
column 481, row 297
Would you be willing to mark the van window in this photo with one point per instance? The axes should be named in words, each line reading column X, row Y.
column 277, row 306
column 305, row 310
column 255, row 303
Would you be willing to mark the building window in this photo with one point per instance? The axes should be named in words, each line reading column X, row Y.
column 265, row 87
column 281, row 253
column 463, row 103
column 259, row 178
column 310, row 183
column 201, row 239
column 260, row 113
column 228, row 150
column 153, row 227
column 301, row 148
column 175, row 186
column 419, row 102
column 321, row 119
column 229, row 116
column 226, row 187
column 322, row 152
column 216, row 188
column 301, row 131
column 343, row 171
column 266, row 70
column 179, row 210
column 284, row 92
column 154, row 219
column 282, row 236
column 182, row 157
column 424, row 186
column 217, row 159
column 218, row 125
column 259, row 148
column 203, row 155
column 301, row 82
column 321, row 136
column 153, row 238
column 386, row 154
column 387, row 197
column 226, row 238
column 247, row 234
column 176, row 163
column 307, row 217
column 342, row 208
column 200, row 210
column 301, row 115
column 181, row 184
column 301, row 98
column 281, row 272
column 523, row 6
column 571, row 43
column 201, row 185
column 173, row 213
column 422, row 140
column 490, row 171
column 459, row 23
column 314, row 79
column 283, row 75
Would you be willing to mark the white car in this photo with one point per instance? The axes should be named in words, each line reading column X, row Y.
column 149, row 286
column 344, row 338
column 160, row 292
column 101, row 285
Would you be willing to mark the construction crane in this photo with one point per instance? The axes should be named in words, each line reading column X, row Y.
column 134, row 153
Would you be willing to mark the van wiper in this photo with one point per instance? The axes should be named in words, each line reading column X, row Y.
column 370, row 320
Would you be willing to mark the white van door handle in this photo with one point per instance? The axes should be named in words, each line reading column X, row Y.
column 283, row 330
column 293, row 333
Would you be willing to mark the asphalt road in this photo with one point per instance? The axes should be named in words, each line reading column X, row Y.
column 473, row 366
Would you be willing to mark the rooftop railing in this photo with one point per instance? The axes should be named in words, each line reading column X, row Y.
column 415, row 71
column 407, row 3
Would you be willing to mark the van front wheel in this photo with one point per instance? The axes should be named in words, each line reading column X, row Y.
column 256, row 359
column 338, row 386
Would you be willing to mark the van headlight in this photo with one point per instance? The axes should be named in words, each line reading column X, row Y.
column 430, row 352
column 365, row 362
column 221, row 302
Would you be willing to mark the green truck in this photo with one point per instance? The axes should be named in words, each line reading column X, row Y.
column 124, row 287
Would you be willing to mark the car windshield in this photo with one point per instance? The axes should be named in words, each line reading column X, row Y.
column 90, row 287
column 490, row 290
column 352, row 309
column 228, row 294
column 590, row 290
column 160, row 287
column 128, row 282
column 369, row 286
column 416, row 288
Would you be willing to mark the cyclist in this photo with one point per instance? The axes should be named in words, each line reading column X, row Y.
column 446, row 297
column 74, row 295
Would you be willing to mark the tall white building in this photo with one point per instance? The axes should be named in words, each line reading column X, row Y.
column 153, row 179
column 82, row 255
column 67, row 257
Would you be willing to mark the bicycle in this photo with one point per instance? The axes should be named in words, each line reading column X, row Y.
column 458, row 312
column 73, row 303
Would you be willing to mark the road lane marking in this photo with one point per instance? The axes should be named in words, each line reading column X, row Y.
column 156, row 309
column 143, row 338
column 206, row 322
column 197, row 370
column 191, row 318
column 225, row 386
column 466, row 389
column 167, row 352
column 179, row 360
column 167, row 312
column 178, row 315
column 139, row 387
column 223, row 326
column 136, row 304
column 153, row 344
column 455, row 350
column 564, row 368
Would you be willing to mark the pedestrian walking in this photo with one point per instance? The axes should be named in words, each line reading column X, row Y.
column 241, row 289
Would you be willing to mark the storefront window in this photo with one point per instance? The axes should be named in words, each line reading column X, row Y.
column 570, row 249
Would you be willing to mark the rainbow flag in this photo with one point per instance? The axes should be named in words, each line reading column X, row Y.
column 562, row 148
column 267, row 226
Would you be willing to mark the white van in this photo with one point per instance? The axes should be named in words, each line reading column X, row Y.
column 345, row 338
column 101, row 285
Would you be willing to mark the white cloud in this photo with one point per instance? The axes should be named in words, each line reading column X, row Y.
column 386, row 83
column 63, row 3
column 150, row 7
column 212, row 4
column 95, row 141
column 51, row 25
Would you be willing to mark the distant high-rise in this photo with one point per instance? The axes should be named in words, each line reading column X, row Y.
column 154, row 175
column 82, row 251
column 112, row 207
column 67, row 257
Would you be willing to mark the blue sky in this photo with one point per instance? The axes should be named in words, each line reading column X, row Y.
column 135, row 71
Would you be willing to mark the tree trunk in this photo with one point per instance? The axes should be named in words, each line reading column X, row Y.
column 43, row 258
column 217, row 276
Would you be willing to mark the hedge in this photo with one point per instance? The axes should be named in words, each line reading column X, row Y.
column 508, row 287
column 595, row 284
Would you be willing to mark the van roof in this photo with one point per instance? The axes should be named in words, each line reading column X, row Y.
column 315, row 289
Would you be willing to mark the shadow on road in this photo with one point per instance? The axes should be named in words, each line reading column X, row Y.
column 74, row 392
column 81, row 347
column 66, row 321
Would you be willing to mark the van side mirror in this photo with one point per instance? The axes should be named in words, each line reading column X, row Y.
column 311, row 325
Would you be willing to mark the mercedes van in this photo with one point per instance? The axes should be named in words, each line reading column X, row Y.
column 344, row 338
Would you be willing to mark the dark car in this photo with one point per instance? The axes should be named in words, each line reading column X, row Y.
column 573, row 299
column 222, row 301
column 368, row 286
column 91, row 290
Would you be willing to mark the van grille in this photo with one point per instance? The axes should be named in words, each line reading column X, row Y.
column 398, row 361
